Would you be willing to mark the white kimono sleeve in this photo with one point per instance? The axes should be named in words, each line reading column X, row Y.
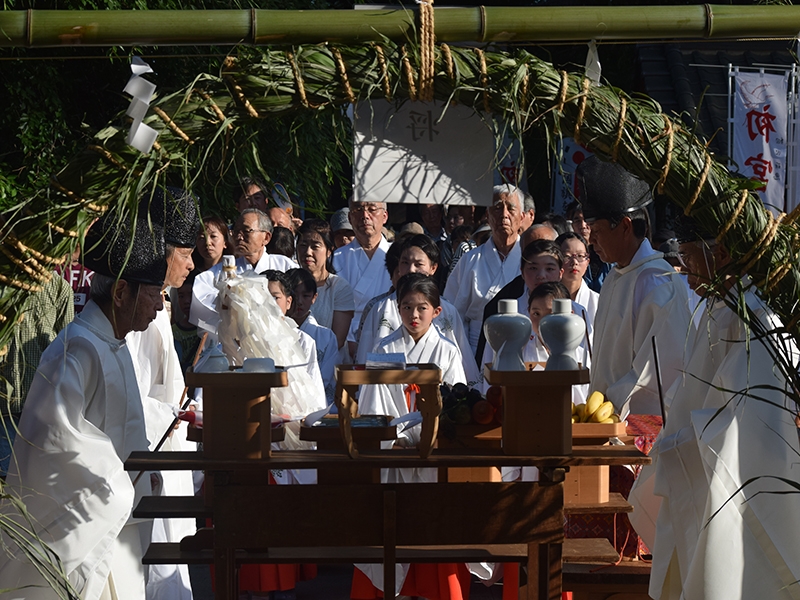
column 663, row 314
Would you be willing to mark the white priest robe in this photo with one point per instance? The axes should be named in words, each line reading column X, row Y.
column 644, row 299
column 726, row 529
column 161, row 384
column 204, row 293
column 384, row 318
column 390, row 400
column 367, row 276
column 82, row 419
column 477, row 277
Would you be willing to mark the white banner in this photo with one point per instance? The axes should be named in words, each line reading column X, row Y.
column 408, row 155
column 759, row 133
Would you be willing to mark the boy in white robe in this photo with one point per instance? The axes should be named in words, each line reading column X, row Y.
column 304, row 294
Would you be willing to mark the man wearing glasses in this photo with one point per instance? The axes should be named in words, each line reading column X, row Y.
column 362, row 262
column 641, row 297
column 251, row 234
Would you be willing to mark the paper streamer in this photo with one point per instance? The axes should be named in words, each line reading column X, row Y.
column 141, row 136
column 593, row 68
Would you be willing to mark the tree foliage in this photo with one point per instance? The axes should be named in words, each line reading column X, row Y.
column 57, row 99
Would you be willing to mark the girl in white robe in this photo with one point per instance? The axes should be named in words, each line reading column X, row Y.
column 418, row 254
column 421, row 343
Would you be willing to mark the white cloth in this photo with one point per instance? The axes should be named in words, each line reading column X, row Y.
column 390, row 400
column 161, row 385
column 477, row 278
column 327, row 352
column 384, row 318
column 367, row 276
column 204, row 293
column 335, row 294
column 82, row 419
column 637, row 302
column 309, row 349
column 722, row 531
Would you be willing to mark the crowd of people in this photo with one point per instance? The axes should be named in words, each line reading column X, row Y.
column 85, row 391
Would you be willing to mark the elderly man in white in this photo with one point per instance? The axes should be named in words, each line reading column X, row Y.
column 251, row 233
column 82, row 419
column 482, row 272
column 362, row 262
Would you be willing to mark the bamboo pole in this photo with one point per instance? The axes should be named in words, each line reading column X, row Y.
column 49, row 28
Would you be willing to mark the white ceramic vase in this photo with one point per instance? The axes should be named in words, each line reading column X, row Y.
column 507, row 332
column 562, row 332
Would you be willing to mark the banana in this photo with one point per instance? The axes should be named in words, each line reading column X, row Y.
column 580, row 410
column 593, row 403
column 574, row 419
column 615, row 419
column 609, row 420
column 573, row 408
column 604, row 412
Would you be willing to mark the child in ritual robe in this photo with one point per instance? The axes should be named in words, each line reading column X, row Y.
column 304, row 290
column 418, row 299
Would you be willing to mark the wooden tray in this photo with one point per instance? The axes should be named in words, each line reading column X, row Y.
column 596, row 433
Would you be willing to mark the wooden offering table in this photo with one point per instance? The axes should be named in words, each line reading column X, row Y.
column 520, row 522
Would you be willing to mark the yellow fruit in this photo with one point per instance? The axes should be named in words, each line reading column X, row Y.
column 593, row 403
column 615, row 419
column 579, row 412
column 609, row 420
column 604, row 412
column 574, row 419
column 573, row 408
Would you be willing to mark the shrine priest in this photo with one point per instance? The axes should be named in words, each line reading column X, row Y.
column 642, row 296
column 482, row 272
column 362, row 262
column 251, row 234
column 161, row 384
column 726, row 461
column 82, row 419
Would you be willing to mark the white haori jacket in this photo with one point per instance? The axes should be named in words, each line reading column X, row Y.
column 637, row 302
column 477, row 277
column 726, row 528
column 390, row 400
column 82, row 419
column 384, row 318
column 204, row 293
column 367, row 276
column 161, row 385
